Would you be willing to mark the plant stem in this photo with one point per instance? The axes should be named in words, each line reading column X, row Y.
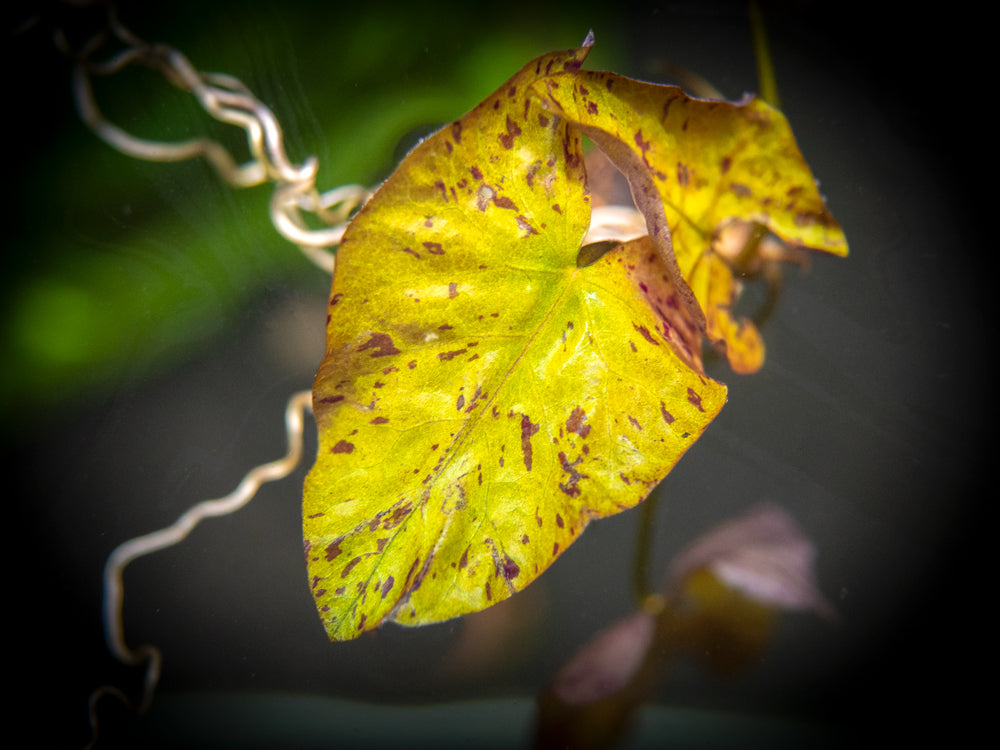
column 640, row 569
column 766, row 80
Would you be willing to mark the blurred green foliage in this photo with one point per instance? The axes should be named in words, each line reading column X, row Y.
column 118, row 268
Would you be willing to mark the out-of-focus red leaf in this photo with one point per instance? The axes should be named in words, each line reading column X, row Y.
column 764, row 555
column 723, row 594
column 606, row 664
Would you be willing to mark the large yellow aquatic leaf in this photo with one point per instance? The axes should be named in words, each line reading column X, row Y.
column 693, row 166
column 488, row 388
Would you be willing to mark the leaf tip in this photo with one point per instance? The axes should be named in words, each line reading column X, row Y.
column 588, row 41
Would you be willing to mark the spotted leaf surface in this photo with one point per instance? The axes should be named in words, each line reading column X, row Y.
column 485, row 392
column 694, row 165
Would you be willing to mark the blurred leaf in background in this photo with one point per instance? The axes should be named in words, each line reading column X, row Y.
column 720, row 604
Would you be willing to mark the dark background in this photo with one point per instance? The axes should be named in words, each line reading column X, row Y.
column 154, row 325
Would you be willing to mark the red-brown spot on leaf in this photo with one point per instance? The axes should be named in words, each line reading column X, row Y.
column 740, row 189
column 527, row 430
column 434, row 247
column 343, row 447
column 452, row 290
column 804, row 219
column 507, row 139
column 413, row 568
column 387, row 586
column 379, row 420
column 333, row 549
column 667, row 416
column 645, row 334
column 381, row 343
column 529, row 178
column 511, row 569
column 643, row 146
column 570, row 65
column 576, row 420
column 525, row 227
column 571, row 154
column 571, row 486
column 475, row 399
column 399, row 515
column 695, row 399
column 445, row 356
column 349, row 567
column 683, row 175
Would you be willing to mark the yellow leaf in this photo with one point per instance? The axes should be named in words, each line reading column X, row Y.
column 744, row 346
column 694, row 165
column 484, row 395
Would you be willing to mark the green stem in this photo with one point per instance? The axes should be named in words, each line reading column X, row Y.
column 640, row 570
column 762, row 52
column 772, row 276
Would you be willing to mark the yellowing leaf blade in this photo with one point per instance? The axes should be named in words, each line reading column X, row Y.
column 693, row 165
column 482, row 397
